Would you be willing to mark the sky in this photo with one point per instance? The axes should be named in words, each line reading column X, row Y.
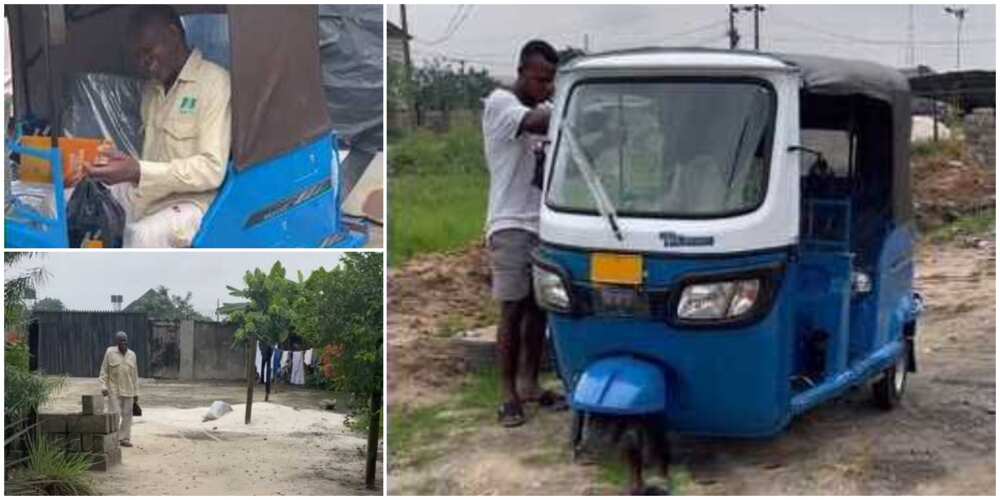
column 489, row 36
column 86, row 281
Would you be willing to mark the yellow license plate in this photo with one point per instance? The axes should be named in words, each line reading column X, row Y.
column 616, row 269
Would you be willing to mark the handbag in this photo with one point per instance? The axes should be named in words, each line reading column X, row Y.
column 136, row 409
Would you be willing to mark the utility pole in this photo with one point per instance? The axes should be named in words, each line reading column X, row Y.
column 959, row 13
column 586, row 43
column 757, row 9
column 734, row 36
column 911, row 45
column 408, row 67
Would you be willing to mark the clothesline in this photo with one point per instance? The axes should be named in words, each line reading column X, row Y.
column 284, row 365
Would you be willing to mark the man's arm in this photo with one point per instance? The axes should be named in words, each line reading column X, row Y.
column 536, row 121
column 135, row 377
column 103, row 376
column 203, row 171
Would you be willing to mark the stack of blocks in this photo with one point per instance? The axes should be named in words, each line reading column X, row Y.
column 92, row 431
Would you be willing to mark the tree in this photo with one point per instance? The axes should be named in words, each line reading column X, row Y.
column 49, row 304
column 159, row 303
column 341, row 309
column 266, row 316
column 438, row 85
column 17, row 284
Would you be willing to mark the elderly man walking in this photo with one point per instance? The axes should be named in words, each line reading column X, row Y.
column 120, row 381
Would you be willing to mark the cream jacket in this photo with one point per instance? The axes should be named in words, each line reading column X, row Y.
column 187, row 138
column 119, row 373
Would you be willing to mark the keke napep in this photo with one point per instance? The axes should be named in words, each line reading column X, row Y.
column 726, row 239
column 283, row 182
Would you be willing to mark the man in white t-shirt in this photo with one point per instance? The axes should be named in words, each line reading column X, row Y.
column 514, row 122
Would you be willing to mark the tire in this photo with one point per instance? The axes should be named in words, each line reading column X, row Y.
column 889, row 388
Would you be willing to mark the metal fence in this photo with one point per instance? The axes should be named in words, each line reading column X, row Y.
column 73, row 342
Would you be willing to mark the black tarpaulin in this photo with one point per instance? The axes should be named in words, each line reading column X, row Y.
column 351, row 54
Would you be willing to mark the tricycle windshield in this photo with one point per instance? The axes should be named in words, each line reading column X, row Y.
column 665, row 148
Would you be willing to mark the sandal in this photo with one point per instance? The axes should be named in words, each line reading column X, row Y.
column 510, row 414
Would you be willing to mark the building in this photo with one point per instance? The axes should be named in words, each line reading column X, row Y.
column 396, row 40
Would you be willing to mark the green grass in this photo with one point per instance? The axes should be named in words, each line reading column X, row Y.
column 981, row 224
column 434, row 213
column 615, row 474
column 439, row 185
column 411, row 431
column 948, row 148
column 50, row 470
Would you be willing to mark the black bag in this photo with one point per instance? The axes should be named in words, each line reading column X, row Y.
column 94, row 214
column 136, row 409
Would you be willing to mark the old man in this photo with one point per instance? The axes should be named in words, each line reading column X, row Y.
column 120, row 383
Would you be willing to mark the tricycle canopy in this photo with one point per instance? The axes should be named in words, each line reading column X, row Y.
column 869, row 101
column 278, row 103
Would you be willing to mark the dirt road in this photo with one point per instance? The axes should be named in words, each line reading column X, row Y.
column 940, row 441
column 291, row 447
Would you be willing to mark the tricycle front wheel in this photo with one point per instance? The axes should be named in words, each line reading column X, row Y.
column 888, row 389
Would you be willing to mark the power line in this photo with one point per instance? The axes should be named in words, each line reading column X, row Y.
column 459, row 17
column 862, row 40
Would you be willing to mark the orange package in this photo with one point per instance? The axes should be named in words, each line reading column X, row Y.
column 75, row 152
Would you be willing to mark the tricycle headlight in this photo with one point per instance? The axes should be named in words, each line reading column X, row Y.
column 721, row 300
column 550, row 291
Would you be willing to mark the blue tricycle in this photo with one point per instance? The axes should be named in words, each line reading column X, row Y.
column 726, row 242
column 283, row 181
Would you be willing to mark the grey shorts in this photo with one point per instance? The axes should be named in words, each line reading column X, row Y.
column 510, row 263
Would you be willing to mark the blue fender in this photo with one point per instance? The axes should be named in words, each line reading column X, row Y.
column 620, row 386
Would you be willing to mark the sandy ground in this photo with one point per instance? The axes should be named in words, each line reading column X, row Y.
column 940, row 441
column 291, row 447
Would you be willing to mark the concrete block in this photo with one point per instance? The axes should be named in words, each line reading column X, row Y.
column 105, row 461
column 115, row 421
column 93, row 404
column 51, row 423
column 91, row 424
column 73, row 442
column 100, row 443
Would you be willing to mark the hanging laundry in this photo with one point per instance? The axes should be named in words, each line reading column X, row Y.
column 276, row 363
column 308, row 360
column 298, row 368
column 257, row 364
column 265, row 365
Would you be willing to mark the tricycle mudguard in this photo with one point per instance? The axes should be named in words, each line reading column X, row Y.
column 620, row 385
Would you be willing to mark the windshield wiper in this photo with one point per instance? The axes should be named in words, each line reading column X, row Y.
column 604, row 205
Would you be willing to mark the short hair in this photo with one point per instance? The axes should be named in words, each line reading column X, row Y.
column 144, row 15
column 541, row 48
column 120, row 336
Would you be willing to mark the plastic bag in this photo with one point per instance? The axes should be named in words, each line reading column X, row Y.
column 218, row 409
column 95, row 217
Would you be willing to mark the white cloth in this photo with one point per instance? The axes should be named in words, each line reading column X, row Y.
column 174, row 226
column 308, row 359
column 258, row 361
column 513, row 200
column 121, row 406
column 298, row 369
